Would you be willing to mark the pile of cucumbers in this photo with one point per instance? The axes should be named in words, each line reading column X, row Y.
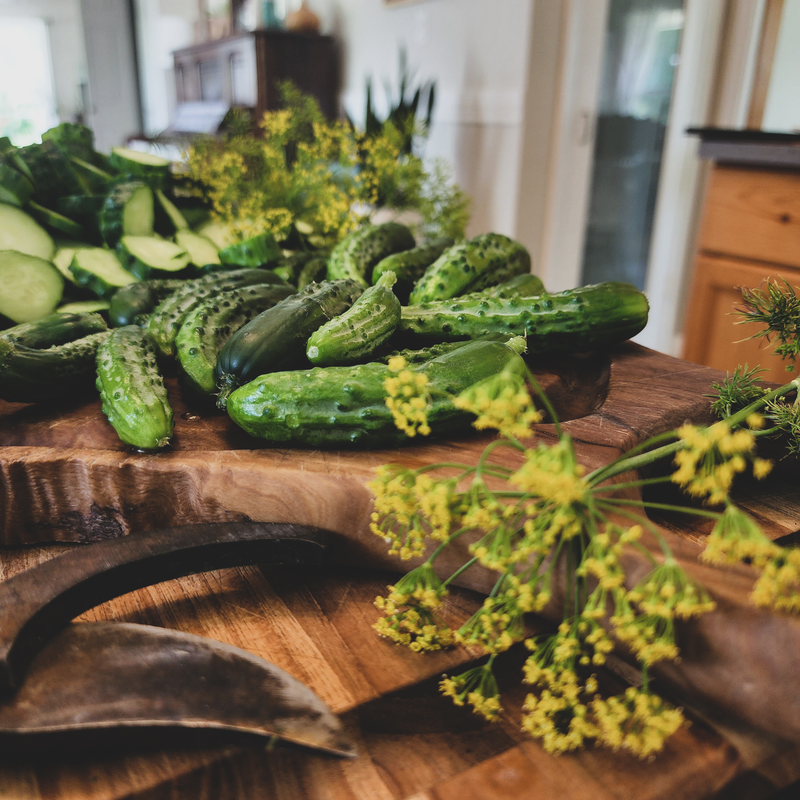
column 296, row 347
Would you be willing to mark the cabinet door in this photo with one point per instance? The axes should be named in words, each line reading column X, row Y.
column 715, row 335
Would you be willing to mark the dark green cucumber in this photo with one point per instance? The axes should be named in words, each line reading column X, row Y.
column 345, row 406
column 206, row 329
column 49, row 359
column 168, row 316
column 526, row 285
column 276, row 339
column 476, row 263
column 409, row 265
column 128, row 210
column 576, row 320
column 132, row 390
column 56, row 223
column 313, row 271
column 133, row 304
column 355, row 256
column 361, row 330
column 290, row 265
column 15, row 188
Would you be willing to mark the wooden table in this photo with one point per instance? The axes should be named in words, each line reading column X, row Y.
column 63, row 476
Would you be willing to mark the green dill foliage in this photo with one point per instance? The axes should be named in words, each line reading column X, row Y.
column 777, row 309
column 544, row 521
column 737, row 391
column 785, row 420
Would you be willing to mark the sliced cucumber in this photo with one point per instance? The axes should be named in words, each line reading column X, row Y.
column 32, row 286
column 145, row 255
column 21, row 232
column 127, row 211
column 202, row 251
column 64, row 255
column 148, row 167
column 80, row 206
column 56, row 222
column 92, row 176
column 221, row 234
column 84, row 307
column 15, row 188
column 100, row 271
column 257, row 251
column 175, row 221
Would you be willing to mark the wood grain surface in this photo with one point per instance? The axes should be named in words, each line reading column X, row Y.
column 64, row 479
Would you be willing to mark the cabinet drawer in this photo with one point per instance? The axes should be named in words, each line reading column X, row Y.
column 715, row 337
column 753, row 214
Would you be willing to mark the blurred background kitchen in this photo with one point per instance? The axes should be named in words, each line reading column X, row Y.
column 564, row 120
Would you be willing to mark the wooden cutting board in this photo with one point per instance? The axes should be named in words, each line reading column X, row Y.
column 64, row 477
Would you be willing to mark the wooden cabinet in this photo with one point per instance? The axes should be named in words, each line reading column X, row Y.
column 246, row 69
column 749, row 233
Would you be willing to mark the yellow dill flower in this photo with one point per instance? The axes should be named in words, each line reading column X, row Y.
column 778, row 586
column 501, row 402
column 497, row 625
column 552, row 472
column 669, row 592
column 476, row 687
column 737, row 538
column 396, row 517
column 407, row 398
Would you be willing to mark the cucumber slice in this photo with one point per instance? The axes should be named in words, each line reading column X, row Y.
column 202, row 251
column 173, row 219
column 100, row 271
column 257, row 251
column 63, row 258
column 91, row 175
column 84, row 307
column 80, row 206
column 5, row 145
column 32, row 286
column 21, row 232
column 56, row 222
column 127, row 211
column 220, row 233
column 144, row 255
column 15, row 188
column 148, row 167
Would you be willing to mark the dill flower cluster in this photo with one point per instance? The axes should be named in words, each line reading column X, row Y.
column 407, row 397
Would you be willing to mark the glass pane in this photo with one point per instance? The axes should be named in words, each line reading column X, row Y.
column 27, row 105
column 641, row 53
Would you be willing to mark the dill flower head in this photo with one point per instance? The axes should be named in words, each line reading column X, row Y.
column 711, row 459
column 778, row 586
column 501, row 402
column 396, row 517
column 669, row 592
column 552, row 473
column 407, row 397
column 497, row 625
column 476, row 687
column 737, row 538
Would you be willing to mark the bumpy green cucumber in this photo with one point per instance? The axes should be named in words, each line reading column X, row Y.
column 359, row 331
column 355, row 256
column 49, row 359
column 206, row 329
column 313, row 271
column 132, row 390
column 341, row 406
column 168, row 316
column 576, row 320
column 276, row 339
column 526, row 285
column 132, row 304
column 479, row 262
column 409, row 265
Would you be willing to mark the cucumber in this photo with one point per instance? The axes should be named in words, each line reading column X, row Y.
column 168, row 218
column 127, row 211
column 220, row 233
column 21, row 232
column 147, row 167
column 168, row 316
column 576, row 320
column 55, row 222
column 355, row 256
column 276, row 339
column 525, row 285
column 313, row 271
column 202, row 251
column 149, row 257
column 15, row 188
column 257, row 251
column 46, row 179
column 409, row 265
column 490, row 257
column 81, row 207
column 30, row 287
column 63, row 258
column 100, row 271
column 49, row 359
column 132, row 304
column 359, row 331
column 345, row 406
column 84, row 307
column 132, row 390
column 206, row 329
column 92, row 176
column 290, row 265
column 72, row 139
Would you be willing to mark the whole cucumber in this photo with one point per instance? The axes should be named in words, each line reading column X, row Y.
column 576, row 320
column 132, row 304
column 409, row 265
column 206, row 329
column 132, row 390
column 345, row 406
column 354, row 257
column 276, row 339
column 359, row 331
column 472, row 265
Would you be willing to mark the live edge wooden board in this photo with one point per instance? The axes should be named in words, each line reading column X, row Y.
column 65, row 479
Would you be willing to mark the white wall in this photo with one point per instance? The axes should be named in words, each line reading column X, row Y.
column 63, row 18
column 782, row 109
